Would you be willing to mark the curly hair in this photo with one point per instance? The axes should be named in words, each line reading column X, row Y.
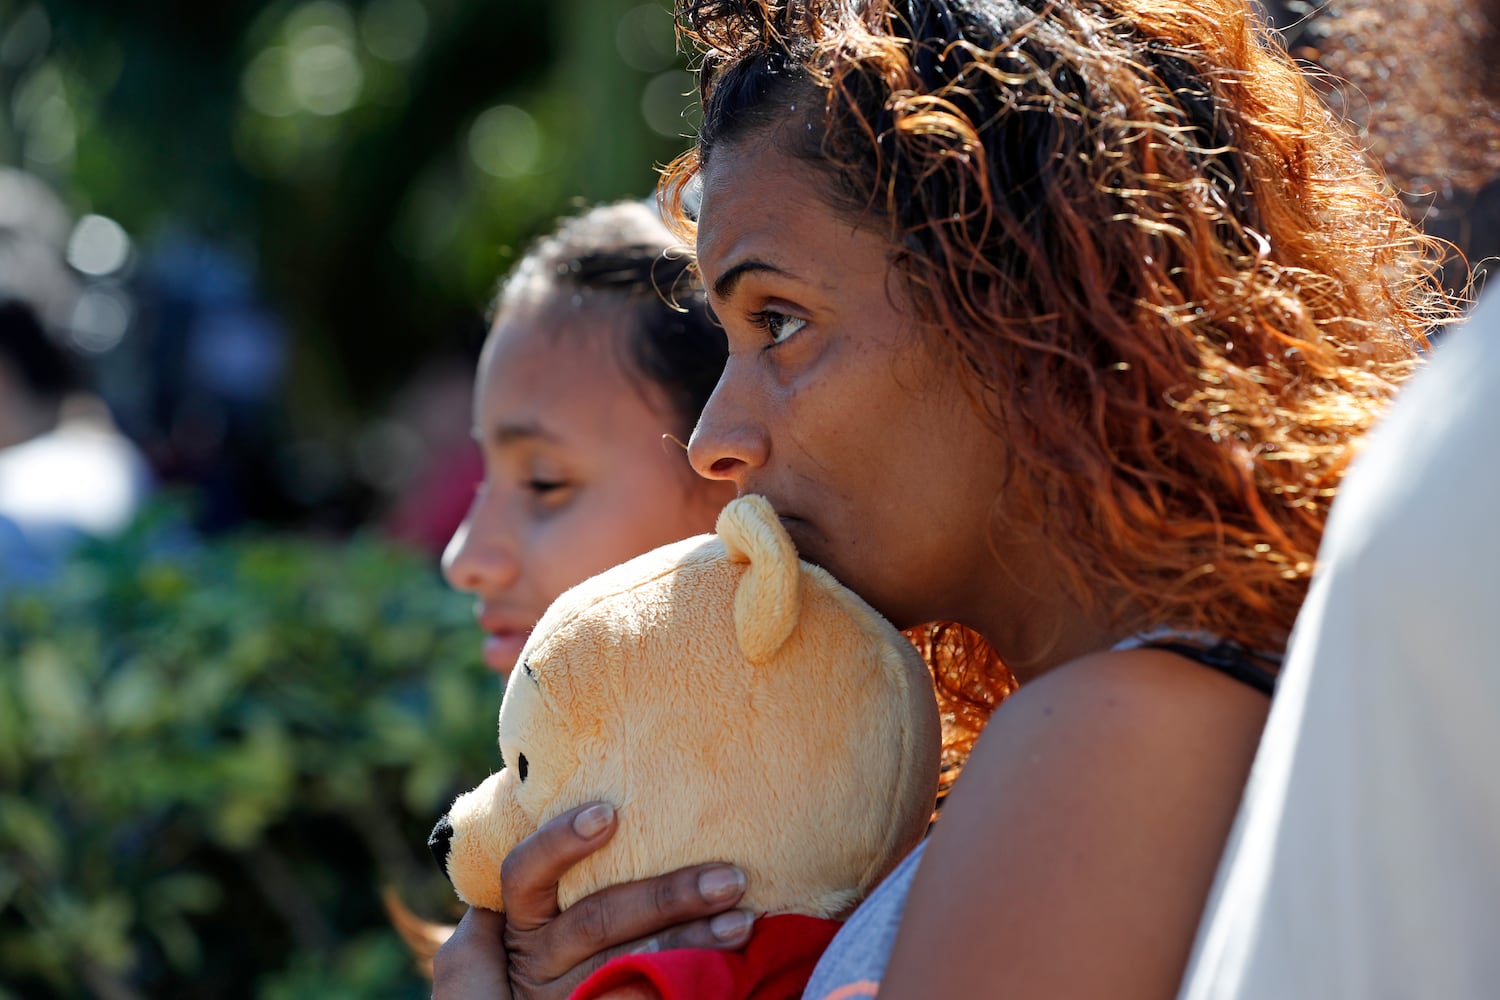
column 1170, row 279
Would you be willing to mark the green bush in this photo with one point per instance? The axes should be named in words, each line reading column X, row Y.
column 212, row 758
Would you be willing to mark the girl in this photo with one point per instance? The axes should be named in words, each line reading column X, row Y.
column 600, row 357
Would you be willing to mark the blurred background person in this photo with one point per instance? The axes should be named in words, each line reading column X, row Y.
column 66, row 472
column 210, row 359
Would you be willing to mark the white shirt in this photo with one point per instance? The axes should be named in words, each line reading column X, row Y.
column 76, row 480
column 1366, row 858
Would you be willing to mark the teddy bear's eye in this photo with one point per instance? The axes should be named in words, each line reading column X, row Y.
column 521, row 766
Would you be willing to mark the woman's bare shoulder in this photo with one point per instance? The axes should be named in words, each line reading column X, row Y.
column 1078, row 848
column 1142, row 686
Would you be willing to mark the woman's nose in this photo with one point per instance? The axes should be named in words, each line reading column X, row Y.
column 729, row 442
column 480, row 557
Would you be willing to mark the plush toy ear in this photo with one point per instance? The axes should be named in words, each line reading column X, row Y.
column 766, row 603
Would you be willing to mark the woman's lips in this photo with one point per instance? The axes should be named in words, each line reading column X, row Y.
column 502, row 648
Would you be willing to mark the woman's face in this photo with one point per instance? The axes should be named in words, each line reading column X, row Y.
column 577, row 476
column 855, row 427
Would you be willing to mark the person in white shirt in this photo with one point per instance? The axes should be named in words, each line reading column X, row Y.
column 1366, row 857
column 65, row 471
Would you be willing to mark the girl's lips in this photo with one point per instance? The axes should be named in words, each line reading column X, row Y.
column 502, row 649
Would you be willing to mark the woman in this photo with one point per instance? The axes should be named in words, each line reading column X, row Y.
column 1059, row 320
column 599, row 359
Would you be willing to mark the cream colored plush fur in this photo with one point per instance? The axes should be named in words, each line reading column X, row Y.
column 734, row 704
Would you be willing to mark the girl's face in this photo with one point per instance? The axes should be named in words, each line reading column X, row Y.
column 577, row 476
column 855, row 427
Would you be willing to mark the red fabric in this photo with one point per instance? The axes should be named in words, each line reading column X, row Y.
column 774, row 965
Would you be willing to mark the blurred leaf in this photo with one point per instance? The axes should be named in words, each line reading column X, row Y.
column 53, row 695
column 10, row 881
column 28, row 832
column 215, row 755
column 134, row 698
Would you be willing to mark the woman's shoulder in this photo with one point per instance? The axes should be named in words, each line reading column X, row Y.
column 1089, row 819
column 1124, row 719
column 1148, row 682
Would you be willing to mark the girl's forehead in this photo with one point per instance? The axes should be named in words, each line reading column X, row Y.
column 562, row 370
column 559, row 327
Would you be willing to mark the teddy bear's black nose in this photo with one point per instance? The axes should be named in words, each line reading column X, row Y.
column 437, row 841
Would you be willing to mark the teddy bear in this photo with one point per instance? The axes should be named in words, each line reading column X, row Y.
column 733, row 703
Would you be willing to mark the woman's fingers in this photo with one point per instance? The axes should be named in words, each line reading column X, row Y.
column 730, row 929
column 530, row 872
column 654, row 915
column 471, row 964
column 636, row 911
column 550, row 952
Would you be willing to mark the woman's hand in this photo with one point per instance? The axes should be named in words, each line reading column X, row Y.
column 549, row 953
column 471, row 963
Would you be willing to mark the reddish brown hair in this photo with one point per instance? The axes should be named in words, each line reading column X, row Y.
column 1171, row 280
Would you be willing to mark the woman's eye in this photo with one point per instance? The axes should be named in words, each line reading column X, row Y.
column 778, row 324
column 542, row 487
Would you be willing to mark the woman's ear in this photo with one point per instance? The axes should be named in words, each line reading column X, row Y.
column 766, row 603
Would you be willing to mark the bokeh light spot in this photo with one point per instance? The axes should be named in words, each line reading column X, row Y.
column 320, row 14
column 266, row 84
column 26, row 37
column 505, row 142
column 393, row 30
column 647, row 39
column 99, row 246
column 100, row 318
column 324, row 74
column 665, row 102
column 52, row 135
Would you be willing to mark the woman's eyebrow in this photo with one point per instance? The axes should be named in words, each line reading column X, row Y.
column 724, row 284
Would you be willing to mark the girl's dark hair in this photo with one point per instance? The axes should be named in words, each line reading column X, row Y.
column 623, row 251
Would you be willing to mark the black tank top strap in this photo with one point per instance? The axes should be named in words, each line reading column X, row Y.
column 1258, row 670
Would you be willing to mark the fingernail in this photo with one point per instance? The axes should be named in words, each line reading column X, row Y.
column 719, row 884
column 593, row 820
column 728, row 926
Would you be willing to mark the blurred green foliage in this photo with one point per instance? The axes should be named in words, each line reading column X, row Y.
column 213, row 758
column 380, row 161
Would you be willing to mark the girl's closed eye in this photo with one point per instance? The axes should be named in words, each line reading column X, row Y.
column 549, row 492
column 779, row 325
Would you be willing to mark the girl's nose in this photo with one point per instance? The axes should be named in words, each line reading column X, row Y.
column 480, row 558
